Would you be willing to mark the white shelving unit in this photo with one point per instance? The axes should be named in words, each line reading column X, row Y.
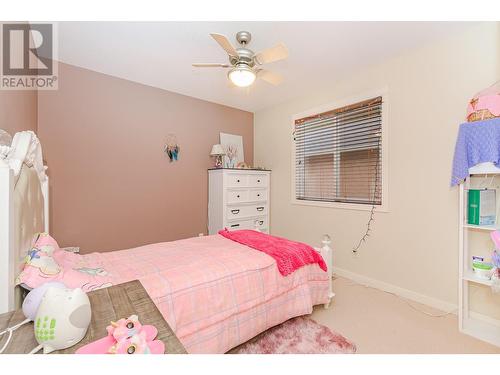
column 476, row 325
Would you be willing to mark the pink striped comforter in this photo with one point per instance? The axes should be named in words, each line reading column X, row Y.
column 213, row 292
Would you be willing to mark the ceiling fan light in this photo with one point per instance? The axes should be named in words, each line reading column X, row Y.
column 242, row 76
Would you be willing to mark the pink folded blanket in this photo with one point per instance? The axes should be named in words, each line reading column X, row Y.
column 289, row 255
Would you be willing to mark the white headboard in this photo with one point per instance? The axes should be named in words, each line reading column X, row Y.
column 23, row 213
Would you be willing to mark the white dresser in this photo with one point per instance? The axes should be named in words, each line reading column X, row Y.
column 238, row 199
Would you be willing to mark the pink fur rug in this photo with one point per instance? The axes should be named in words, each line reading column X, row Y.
column 300, row 335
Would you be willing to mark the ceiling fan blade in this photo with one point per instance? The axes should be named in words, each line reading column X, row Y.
column 210, row 65
column 225, row 43
column 278, row 52
column 270, row 77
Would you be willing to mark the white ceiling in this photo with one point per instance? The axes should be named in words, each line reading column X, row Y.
column 160, row 54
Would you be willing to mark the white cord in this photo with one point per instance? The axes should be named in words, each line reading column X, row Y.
column 9, row 331
column 407, row 302
column 6, row 342
column 36, row 349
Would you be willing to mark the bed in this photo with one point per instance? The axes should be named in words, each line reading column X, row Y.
column 215, row 293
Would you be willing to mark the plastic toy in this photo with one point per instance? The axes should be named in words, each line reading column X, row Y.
column 62, row 319
column 126, row 336
column 34, row 297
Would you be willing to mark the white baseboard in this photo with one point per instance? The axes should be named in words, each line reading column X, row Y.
column 484, row 318
column 405, row 293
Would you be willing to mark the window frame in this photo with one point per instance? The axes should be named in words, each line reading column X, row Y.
column 384, row 207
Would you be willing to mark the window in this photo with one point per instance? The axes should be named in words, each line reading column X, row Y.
column 338, row 155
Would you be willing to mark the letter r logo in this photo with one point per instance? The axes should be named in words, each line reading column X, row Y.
column 27, row 53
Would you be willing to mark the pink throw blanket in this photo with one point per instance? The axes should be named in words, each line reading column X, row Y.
column 289, row 255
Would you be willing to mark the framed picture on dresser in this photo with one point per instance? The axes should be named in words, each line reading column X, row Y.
column 233, row 147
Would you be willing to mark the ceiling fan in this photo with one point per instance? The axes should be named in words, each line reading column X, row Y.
column 244, row 63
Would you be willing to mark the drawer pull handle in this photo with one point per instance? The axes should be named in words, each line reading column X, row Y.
column 258, row 180
column 238, row 196
column 258, row 195
column 235, row 212
column 235, row 225
column 260, row 208
column 261, row 222
column 237, row 180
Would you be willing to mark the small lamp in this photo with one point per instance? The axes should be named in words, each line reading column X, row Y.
column 218, row 153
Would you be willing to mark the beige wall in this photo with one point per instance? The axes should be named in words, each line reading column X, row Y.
column 111, row 185
column 413, row 246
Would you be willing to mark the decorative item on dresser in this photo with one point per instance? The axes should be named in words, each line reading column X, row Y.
column 238, row 199
column 217, row 152
column 233, row 149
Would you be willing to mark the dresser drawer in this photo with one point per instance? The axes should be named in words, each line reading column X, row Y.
column 237, row 180
column 260, row 223
column 255, row 180
column 237, row 196
column 257, row 195
column 237, row 212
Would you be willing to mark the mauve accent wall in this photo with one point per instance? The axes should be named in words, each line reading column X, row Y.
column 18, row 110
column 111, row 185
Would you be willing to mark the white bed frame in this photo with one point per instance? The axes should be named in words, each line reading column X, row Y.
column 326, row 253
column 24, row 211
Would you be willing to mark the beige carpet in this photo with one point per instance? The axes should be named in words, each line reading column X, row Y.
column 381, row 323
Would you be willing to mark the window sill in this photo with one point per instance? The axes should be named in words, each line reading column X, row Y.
column 339, row 205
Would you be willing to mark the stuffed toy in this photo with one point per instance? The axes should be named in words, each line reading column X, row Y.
column 485, row 104
column 40, row 256
column 41, row 259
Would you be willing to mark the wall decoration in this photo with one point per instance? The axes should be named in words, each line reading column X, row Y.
column 233, row 147
column 172, row 148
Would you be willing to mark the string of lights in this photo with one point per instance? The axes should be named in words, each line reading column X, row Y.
column 372, row 211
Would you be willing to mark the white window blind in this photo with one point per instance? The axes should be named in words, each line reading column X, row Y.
column 338, row 155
